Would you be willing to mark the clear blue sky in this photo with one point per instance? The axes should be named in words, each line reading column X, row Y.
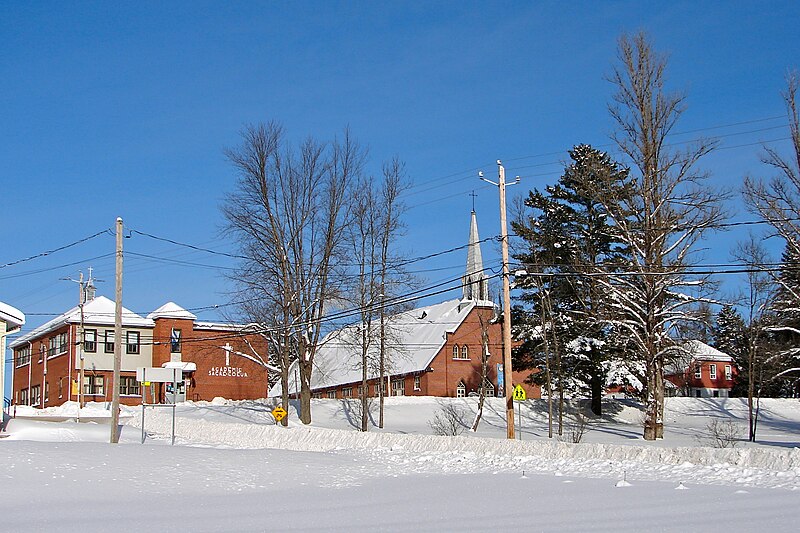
column 123, row 109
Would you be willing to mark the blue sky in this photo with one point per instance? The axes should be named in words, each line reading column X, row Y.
column 124, row 108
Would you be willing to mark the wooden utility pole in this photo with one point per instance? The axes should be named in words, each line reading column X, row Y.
column 507, row 381
column 117, row 337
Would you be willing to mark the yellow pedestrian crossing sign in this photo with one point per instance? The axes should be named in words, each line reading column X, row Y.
column 519, row 394
column 279, row 413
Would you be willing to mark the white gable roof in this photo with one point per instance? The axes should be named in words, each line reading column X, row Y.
column 414, row 339
column 171, row 310
column 11, row 315
column 703, row 352
column 97, row 312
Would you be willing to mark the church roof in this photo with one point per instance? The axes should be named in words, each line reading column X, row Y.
column 413, row 340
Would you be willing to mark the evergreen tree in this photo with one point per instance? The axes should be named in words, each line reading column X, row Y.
column 784, row 330
column 568, row 238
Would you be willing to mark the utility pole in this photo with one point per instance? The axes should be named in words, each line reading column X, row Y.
column 117, row 337
column 507, row 382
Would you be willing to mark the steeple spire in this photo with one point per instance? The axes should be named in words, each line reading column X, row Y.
column 474, row 284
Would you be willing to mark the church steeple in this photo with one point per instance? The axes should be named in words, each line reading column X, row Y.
column 474, row 284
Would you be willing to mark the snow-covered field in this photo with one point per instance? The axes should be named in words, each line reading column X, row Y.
column 233, row 469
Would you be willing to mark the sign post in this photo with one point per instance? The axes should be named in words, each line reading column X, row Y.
column 519, row 396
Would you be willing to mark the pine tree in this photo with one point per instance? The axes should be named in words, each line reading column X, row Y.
column 730, row 337
column 568, row 238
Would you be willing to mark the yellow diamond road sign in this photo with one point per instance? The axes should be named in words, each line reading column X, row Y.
column 519, row 393
column 279, row 413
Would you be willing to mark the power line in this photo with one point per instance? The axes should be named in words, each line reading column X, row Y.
column 54, row 250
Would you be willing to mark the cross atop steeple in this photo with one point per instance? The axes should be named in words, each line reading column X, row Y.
column 474, row 284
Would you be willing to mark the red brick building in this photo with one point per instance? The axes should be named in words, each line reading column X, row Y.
column 708, row 373
column 215, row 358
column 434, row 350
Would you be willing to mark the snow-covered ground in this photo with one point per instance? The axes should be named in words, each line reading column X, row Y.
column 233, row 469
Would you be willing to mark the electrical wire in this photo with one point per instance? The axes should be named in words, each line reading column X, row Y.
column 55, row 250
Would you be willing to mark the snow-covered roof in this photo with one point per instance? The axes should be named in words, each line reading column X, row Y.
column 185, row 366
column 703, row 352
column 11, row 315
column 414, row 339
column 97, row 312
column 171, row 310
column 217, row 326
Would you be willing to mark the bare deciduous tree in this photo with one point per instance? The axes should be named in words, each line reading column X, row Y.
column 287, row 213
column 777, row 200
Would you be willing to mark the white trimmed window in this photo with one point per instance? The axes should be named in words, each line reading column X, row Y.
column 60, row 387
column 46, row 391
column 94, row 385
column 90, row 340
column 461, row 354
column 53, row 348
column 728, row 372
column 398, row 387
column 128, row 386
column 488, row 389
column 63, row 339
column 461, row 390
column 417, row 383
column 347, row 392
column 109, row 341
column 712, row 371
column 36, row 392
column 24, row 356
column 332, row 394
column 132, row 342
column 698, row 372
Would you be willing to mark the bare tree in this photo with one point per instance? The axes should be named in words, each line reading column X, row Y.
column 363, row 250
column 661, row 223
column 287, row 213
column 756, row 301
column 777, row 200
column 391, row 274
column 485, row 355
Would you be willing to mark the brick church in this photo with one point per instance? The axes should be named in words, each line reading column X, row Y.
column 435, row 350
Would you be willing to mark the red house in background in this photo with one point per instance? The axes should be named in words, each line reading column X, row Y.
column 708, row 374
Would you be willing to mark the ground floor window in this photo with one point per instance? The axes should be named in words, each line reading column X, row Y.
column 417, row 383
column 36, row 392
column 46, row 391
column 60, row 387
column 347, row 392
column 94, row 385
column 488, row 389
column 23, row 397
column 317, row 395
column 332, row 394
column 461, row 390
column 128, row 386
column 398, row 387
